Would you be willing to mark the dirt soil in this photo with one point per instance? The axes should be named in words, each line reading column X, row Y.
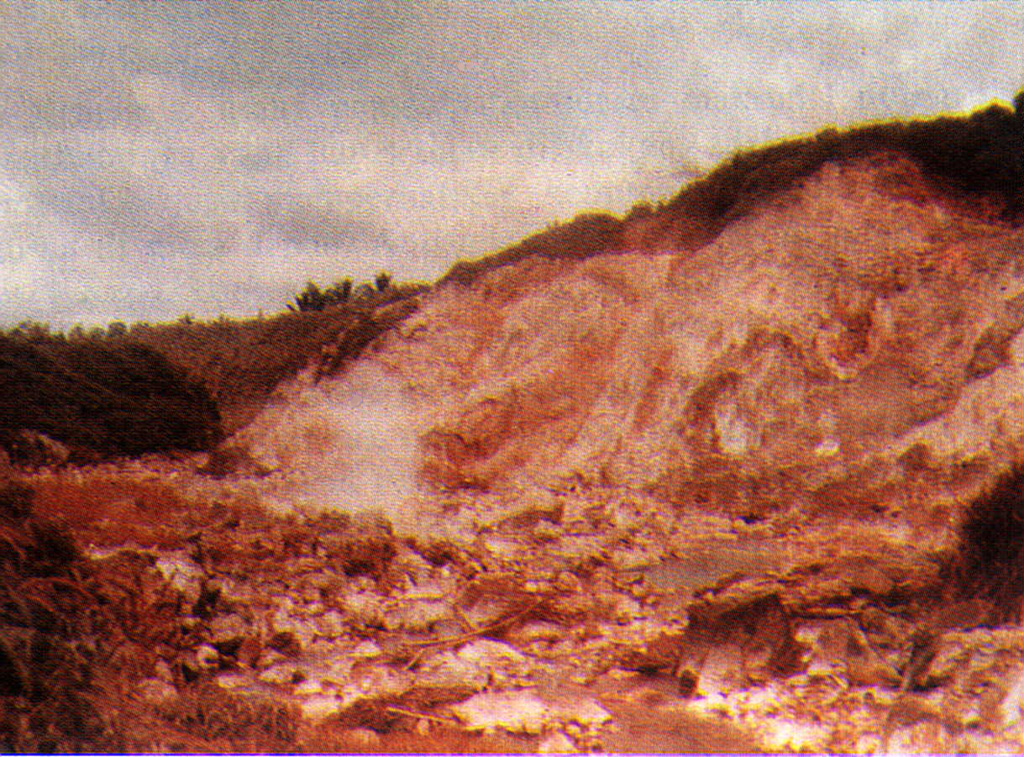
column 581, row 620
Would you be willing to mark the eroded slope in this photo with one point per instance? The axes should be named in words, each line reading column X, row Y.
column 854, row 334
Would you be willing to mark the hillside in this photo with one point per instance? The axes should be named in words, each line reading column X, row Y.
column 855, row 329
column 741, row 472
column 96, row 399
column 825, row 337
column 241, row 362
column 174, row 386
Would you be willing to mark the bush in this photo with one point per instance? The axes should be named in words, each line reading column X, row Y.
column 102, row 397
column 312, row 298
column 240, row 362
column 990, row 563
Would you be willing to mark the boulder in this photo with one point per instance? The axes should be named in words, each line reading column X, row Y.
column 33, row 449
column 737, row 637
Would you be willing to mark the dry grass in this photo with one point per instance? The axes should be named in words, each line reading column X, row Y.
column 77, row 636
column 67, row 623
column 407, row 734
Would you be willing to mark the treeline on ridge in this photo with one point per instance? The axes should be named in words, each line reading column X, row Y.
column 978, row 152
column 131, row 389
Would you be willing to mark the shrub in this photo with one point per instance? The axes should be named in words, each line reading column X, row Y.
column 312, row 298
column 977, row 152
column 990, row 563
column 102, row 397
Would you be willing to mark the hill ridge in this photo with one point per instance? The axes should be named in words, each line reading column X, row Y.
column 981, row 152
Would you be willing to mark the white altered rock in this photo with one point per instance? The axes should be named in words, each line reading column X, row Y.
column 516, row 711
column 537, row 630
column 312, row 685
column 231, row 680
column 364, row 607
column 331, row 625
column 156, row 691
column 416, row 615
column 207, row 657
column 375, row 683
column 448, row 677
column 336, row 669
column 578, row 711
column 556, row 743
column 366, row 650
column 228, row 628
column 320, row 707
column 181, row 573
column 722, row 671
column 524, row 711
column 792, row 736
column 163, row 671
column 502, row 663
column 305, row 630
column 1012, row 706
column 280, row 674
column 626, row 609
column 269, row 658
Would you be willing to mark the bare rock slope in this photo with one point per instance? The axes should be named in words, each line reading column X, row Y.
column 852, row 341
column 789, row 425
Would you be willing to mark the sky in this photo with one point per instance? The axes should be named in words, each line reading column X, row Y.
column 209, row 158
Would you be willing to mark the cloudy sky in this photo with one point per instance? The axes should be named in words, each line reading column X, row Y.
column 202, row 157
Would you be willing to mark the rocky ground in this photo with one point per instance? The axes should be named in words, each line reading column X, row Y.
column 573, row 621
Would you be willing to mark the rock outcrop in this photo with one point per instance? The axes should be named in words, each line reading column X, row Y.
column 853, row 343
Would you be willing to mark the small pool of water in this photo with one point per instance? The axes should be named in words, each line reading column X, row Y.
column 710, row 562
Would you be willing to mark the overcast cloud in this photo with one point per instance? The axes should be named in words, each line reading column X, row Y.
column 164, row 158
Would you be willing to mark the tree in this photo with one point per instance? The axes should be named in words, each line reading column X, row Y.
column 310, row 298
column 340, row 292
column 383, row 281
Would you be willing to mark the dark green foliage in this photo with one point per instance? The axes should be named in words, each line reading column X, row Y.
column 363, row 328
column 241, row 361
column 313, row 298
column 586, row 235
column 991, row 560
column 978, row 152
column 102, row 397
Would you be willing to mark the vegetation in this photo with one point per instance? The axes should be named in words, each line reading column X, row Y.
column 981, row 152
column 313, row 298
column 990, row 561
column 101, row 398
column 240, row 362
column 127, row 390
column 65, row 621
